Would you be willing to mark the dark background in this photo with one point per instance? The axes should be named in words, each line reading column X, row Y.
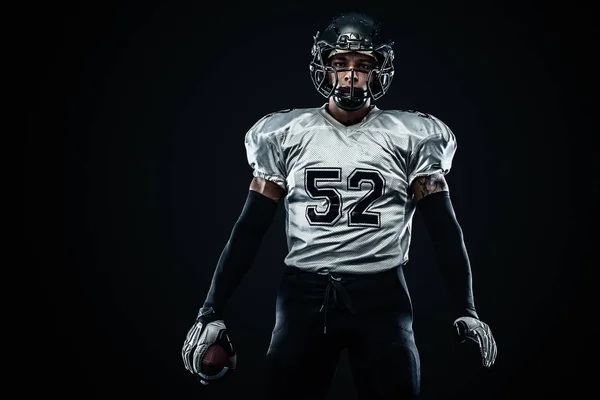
column 135, row 173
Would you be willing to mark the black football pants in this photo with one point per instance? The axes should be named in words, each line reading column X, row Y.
column 318, row 316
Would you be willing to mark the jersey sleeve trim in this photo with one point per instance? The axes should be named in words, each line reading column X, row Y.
column 272, row 178
column 443, row 167
column 264, row 155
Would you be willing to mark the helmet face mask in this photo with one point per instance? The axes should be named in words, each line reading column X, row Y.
column 351, row 32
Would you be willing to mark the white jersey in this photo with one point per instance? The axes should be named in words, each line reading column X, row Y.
column 348, row 202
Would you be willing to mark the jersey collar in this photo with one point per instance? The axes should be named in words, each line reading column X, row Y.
column 373, row 112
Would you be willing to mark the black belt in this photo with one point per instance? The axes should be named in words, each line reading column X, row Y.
column 335, row 288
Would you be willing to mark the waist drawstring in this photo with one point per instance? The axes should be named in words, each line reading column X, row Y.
column 334, row 284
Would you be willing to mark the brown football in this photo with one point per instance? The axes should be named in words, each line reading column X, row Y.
column 214, row 360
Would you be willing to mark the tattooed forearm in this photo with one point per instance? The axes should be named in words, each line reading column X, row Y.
column 426, row 185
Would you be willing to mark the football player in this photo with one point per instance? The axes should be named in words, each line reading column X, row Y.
column 350, row 176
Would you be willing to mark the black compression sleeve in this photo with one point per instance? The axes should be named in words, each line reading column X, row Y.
column 451, row 253
column 239, row 252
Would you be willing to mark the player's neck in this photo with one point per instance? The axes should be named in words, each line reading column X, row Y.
column 348, row 117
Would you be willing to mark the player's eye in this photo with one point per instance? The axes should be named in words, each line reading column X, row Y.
column 365, row 66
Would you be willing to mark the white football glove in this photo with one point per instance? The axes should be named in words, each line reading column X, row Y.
column 479, row 332
column 208, row 329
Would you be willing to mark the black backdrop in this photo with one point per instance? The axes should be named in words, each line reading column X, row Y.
column 135, row 172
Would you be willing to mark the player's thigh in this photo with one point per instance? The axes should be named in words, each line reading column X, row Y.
column 301, row 360
column 384, row 360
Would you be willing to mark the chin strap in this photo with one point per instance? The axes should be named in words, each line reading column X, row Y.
column 357, row 102
column 349, row 105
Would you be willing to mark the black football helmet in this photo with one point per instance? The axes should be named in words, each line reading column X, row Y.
column 352, row 32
